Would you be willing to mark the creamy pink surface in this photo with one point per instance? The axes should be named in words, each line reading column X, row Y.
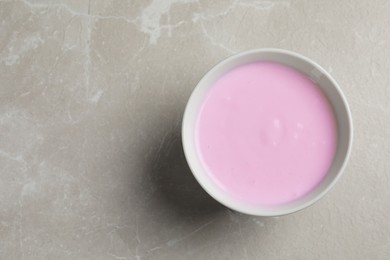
column 266, row 133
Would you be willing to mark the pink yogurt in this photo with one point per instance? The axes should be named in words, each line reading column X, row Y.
column 266, row 133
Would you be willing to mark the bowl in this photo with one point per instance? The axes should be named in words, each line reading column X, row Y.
column 316, row 73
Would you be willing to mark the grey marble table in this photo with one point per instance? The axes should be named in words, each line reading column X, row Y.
column 92, row 95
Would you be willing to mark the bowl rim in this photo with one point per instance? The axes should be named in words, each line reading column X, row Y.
column 189, row 144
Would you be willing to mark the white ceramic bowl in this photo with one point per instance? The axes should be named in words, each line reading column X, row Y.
column 318, row 75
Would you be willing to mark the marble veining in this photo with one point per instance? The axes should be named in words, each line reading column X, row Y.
column 91, row 99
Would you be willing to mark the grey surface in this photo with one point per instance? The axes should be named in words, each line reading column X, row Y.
column 92, row 94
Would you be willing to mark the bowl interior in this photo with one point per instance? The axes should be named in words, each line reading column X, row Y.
column 320, row 77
